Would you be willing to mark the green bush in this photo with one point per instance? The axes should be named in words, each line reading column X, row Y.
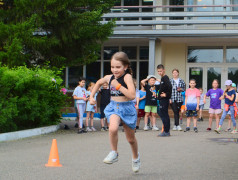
column 29, row 98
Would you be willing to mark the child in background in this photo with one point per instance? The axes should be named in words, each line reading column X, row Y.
column 182, row 107
column 229, row 121
column 79, row 95
column 192, row 97
column 105, row 100
column 215, row 103
column 142, row 100
column 137, row 99
column 90, row 109
column 151, row 101
column 229, row 95
column 201, row 104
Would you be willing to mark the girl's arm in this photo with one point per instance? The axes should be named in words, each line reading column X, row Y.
column 231, row 98
column 198, row 100
column 204, row 99
column 137, row 102
column 186, row 103
column 236, row 98
column 130, row 93
column 143, row 82
column 98, row 84
column 142, row 98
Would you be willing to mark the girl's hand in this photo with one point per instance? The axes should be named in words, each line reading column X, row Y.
column 137, row 107
column 114, row 83
column 204, row 101
column 170, row 101
column 143, row 97
column 185, row 108
column 92, row 100
column 85, row 99
column 163, row 94
column 197, row 108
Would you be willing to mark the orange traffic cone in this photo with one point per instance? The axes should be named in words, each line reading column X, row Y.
column 54, row 156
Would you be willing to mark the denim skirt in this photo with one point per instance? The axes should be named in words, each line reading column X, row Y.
column 125, row 110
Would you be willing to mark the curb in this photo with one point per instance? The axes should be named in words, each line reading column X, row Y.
column 27, row 133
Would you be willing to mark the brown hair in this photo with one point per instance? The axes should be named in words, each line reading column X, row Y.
column 216, row 80
column 175, row 70
column 123, row 58
column 192, row 80
column 90, row 84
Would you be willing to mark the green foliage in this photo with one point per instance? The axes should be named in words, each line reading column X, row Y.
column 63, row 32
column 29, row 98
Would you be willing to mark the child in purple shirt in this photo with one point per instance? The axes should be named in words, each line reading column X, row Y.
column 215, row 103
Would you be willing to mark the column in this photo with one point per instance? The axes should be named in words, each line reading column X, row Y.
column 152, row 56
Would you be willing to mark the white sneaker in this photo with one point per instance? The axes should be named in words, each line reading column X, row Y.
column 155, row 128
column 93, row 129
column 136, row 164
column 179, row 128
column 175, row 128
column 234, row 132
column 146, row 128
column 88, row 129
column 111, row 158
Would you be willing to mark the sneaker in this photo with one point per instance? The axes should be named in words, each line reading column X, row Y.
column 93, row 129
column 155, row 128
column 164, row 134
column 136, row 164
column 201, row 119
column 80, row 131
column 103, row 129
column 195, row 129
column 66, row 127
column 179, row 128
column 111, row 158
column 228, row 130
column 234, row 132
column 181, row 120
column 209, row 129
column 175, row 128
column 187, row 129
column 88, row 129
column 218, row 130
column 76, row 125
column 137, row 127
column 146, row 128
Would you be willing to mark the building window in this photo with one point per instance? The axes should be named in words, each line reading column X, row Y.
column 233, row 75
column 73, row 77
column 109, row 51
column 144, row 53
column 93, row 71
column 131, row 52
column 205, row 55
column 232, row 54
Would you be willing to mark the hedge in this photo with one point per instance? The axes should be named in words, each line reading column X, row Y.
column 29, row 98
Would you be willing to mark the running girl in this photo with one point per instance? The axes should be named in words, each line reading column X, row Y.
column 121, row 107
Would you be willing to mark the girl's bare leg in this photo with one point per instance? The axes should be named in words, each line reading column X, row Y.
column 113, row 131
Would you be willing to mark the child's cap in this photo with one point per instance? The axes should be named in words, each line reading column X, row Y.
column 228, row 83
column 233, row 85
column 151, row 76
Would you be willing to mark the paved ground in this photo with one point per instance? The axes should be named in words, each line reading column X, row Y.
column 182, row 156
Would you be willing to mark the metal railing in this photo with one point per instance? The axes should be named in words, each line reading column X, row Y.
column 161, row 20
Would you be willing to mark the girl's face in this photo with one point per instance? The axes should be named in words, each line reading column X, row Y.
column 82, row 83
column 228, row 87
column 117, row 68
column 151, row 81
column 215, row 84
column 192, row 84
column 91, row 87
column 175, row 74
column 201, row 91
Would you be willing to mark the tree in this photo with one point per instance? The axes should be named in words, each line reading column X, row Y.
column 52, row 32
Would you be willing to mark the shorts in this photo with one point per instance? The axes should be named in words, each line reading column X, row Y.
column 183, row 108
column 191, row 113
column 102, row 107
column 90, row 108
column 125, row 110
column 201, row 106
column 152, row 109
column 141, row 113
column 214, row 111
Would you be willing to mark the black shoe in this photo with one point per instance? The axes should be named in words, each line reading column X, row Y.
column 187, row 129
column 80, row 131
column 164, row 134
column 83, row 126
column 137, row 127
column 195, row 129
column 76, row 125
column 201, row 119
column 66, row 127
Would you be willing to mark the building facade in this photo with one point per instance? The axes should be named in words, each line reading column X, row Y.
column 198, row 37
